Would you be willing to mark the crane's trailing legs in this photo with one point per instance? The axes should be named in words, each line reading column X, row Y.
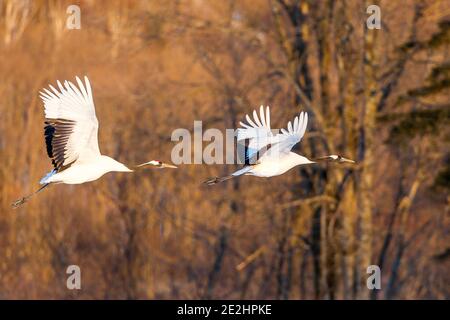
column 215, row 180
column 22, row 200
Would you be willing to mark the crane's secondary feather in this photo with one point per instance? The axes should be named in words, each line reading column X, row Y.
column 57, row 134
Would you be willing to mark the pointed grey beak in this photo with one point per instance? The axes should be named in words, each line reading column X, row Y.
column 166, row 165
column 342, row 159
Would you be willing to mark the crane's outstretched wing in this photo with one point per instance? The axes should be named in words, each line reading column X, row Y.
column 258, row 132
column 290, row 137
column 71, row 127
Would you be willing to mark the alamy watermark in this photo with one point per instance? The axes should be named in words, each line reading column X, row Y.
column 374, row 20
column 74, row 19
column 222, row 148
column 74, row 279
column 374, row 280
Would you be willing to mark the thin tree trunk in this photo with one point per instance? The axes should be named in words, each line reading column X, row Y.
column 367, row 154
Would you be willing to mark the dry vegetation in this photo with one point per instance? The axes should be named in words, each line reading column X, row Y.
column 381, row 97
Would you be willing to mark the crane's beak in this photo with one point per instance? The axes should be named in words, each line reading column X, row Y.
column 166, row 165
column 343, row 160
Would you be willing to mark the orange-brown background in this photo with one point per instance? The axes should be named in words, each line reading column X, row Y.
column 159, row 65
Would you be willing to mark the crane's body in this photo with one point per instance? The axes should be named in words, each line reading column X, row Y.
column 85, row 172
column 273, row 166
column 269, row 155
column 71, row 137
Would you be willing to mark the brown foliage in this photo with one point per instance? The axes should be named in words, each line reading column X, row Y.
column 158, row 66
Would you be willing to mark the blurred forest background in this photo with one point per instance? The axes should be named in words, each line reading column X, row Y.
column 380, row 97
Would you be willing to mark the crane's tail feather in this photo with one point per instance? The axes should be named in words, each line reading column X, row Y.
column 44, row 179
column 22, row 200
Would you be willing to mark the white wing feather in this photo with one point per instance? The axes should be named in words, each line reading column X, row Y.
column 294, row 133
column 257, row 131
column 74, row 103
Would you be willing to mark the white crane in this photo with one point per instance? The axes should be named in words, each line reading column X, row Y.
column 269, row 155
column 71, row 131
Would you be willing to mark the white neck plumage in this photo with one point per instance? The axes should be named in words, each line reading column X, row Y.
column 112, row 165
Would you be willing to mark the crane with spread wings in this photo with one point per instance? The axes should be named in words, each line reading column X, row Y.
column 71, row 137
column 269, row 154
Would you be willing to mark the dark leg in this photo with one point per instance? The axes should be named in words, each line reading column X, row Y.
column 215, row 180
column 21, row 201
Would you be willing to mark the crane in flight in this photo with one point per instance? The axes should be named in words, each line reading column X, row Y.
column 269, row 155
column 71, row 137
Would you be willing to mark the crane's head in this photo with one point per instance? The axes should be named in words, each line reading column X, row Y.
column 157, row 164
column 334, row 158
